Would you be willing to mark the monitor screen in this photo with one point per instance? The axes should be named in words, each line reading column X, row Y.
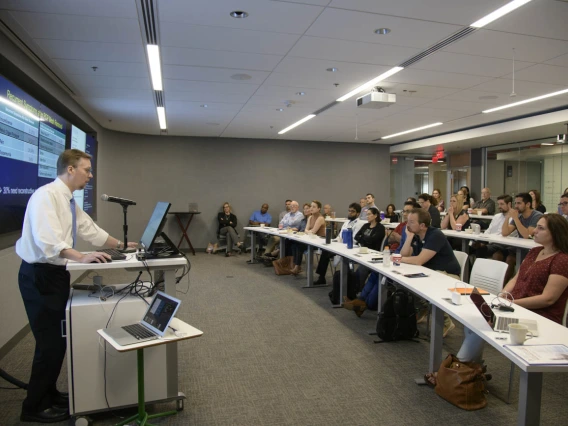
column 161, row 312
column 155, row 225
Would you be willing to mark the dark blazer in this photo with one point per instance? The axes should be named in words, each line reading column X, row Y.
column 224, row 221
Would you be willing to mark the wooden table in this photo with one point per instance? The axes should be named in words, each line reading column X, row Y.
column 184, row 228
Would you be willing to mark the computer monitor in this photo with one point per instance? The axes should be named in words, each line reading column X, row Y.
column 154, row 227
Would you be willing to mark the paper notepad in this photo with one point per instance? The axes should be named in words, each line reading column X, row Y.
column 467, row 291
column 541, row 354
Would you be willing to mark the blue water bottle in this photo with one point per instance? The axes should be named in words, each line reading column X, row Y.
column 382, row 215
column 349, row 237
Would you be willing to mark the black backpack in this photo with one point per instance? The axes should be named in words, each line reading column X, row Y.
column 397, row 319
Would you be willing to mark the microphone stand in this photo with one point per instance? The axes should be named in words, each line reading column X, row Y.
column 125, row 228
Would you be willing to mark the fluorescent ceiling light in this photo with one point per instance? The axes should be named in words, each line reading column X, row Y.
column 162, row 117
column 548, row 143
column 370, row 83
column 526, row 101
column 19, row 108
column 412, row 130
column 509, row 7
column 296, row 124
column 155, row 68
column 426, row 161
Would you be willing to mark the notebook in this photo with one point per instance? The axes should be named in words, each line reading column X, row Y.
column 154, row 322
column 500, row 323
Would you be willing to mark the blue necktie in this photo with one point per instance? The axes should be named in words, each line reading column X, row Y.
column 74, row 220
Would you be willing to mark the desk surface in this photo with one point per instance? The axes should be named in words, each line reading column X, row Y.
column 186, row 330
column 184, row 212
column 475, row 216
column 434, row 288
column 130, row 262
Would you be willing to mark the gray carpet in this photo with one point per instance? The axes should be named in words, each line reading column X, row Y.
column 276, row 354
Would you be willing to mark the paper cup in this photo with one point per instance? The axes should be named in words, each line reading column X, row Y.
column 396, row 258
column 262, row 225
column 363, row 250
column 458, row 226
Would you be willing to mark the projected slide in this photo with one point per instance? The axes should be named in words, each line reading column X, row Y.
column 78, row 141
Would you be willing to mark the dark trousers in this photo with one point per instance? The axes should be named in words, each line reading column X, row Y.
column 298, row 250
column 323, row 263
column 45, row 290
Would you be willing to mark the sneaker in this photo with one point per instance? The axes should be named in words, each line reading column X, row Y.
column 448, row 328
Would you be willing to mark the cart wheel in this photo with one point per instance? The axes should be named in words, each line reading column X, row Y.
column 82, row 421
column 179, row 405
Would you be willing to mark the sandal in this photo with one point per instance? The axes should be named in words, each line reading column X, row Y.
column 430, row 379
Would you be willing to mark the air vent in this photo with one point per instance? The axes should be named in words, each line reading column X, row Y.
column 159, row 96
column 446, row 42
column 149, row 17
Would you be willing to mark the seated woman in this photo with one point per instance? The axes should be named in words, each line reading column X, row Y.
column 541, row 285
column 437, row 195
column 390, row 214
column 314, row 224
column 456, row 214
column 227, row 224
column 467, row 200
column 370, row 235
column 536, row 202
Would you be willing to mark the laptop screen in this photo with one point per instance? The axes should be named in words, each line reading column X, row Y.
column 155, row 225
column 160, row 312
column 482, row 306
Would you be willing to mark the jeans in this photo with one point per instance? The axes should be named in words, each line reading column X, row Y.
column 471, row 348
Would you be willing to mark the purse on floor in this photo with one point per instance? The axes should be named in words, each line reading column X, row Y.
column 283, row 266
column 462, row 383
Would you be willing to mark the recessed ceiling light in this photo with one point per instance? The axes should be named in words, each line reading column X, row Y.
column 488, row 97
column 300, row 93
column 239, row 14
column 382, row 31
column 241, row 77
column 332, row 69
column 203, row 106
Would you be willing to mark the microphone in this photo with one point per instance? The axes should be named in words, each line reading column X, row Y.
column 122, row 201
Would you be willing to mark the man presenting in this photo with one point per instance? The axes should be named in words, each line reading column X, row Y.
column 51, row 225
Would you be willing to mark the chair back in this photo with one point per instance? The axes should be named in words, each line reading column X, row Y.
column 489, row 275
column 564, row 319
column 462, row 258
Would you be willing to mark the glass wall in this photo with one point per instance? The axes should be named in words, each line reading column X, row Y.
column 527, row 166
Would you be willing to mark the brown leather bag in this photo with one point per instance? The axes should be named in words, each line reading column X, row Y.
column 283, row 266
column 461, row 383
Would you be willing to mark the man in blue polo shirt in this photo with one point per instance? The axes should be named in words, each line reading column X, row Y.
column 261, row 216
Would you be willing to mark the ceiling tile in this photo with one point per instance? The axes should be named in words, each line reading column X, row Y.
column 541, row 72
column 118, row 93
column 437, row 78
column 79, row 28
column 292, row 18
column 227, row 39
column 125, row 69
column 204, row 87
column 195, row 108
column 459, row 12
column 495, row 44
column 101, row 8
column 93, row 51
column 86, row 80
column 181, row 72
column 219, row 59
column 351, row 51
column 561, row 61
column 359, row 26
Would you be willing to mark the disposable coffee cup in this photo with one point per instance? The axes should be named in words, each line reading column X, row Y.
column 458, row 226
column 363, row 250
column 262, row 225
column 519, row 333
column 469, row 231
column 396, row 258
column 469, row 211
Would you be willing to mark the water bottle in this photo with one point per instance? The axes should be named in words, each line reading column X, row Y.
column 328, row 232
column 349, row 238
column 382, row 215
column 386, row 256
column 343, row 235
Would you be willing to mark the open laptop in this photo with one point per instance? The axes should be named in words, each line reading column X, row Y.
column 498, row 322
column 153, row 325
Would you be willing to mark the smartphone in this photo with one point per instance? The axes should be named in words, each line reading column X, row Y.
column 376, row 261
column 418, row 275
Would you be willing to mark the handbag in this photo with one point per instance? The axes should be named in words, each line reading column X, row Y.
column 462, row 383
column 283, row 266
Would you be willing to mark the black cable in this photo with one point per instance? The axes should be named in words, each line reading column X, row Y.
column 13, row 380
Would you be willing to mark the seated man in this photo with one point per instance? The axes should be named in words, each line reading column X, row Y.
column 395, row 237
column 495, row 251
column 541, row 284
column 522, row 219
column 259, row 217
column 428, row 246
column 293, row 218
column 355, row 224
column 425, row 201
column 563, row 205
column 486, row 204
column 370, row 202
column 274, row 240
column 327, row 210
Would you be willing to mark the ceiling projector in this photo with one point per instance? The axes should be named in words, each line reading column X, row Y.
column 376, row 100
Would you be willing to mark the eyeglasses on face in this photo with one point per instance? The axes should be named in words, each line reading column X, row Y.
column 562, row 204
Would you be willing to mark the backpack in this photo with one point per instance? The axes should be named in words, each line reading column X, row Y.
column 351, row 287
column 397, row 319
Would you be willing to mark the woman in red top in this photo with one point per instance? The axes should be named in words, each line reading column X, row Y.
column 541, row 285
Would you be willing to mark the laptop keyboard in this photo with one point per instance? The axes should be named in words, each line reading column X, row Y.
column 139, row 331
column 503, row 323
column 113, row 253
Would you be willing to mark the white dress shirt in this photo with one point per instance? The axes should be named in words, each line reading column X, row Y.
column 496, row 225
column 48, row 222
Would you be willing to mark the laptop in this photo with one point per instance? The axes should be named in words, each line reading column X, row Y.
column 153, row 325
column 498, row 322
